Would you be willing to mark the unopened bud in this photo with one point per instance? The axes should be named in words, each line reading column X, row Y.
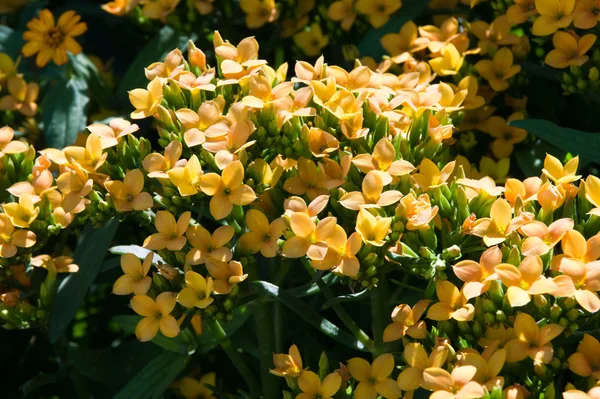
column 323, row 365
column 573, row 314
column 451, row 253
column 500, row 316
column 168, row 271
column 594, row 74
column 555, row 312
column 489, row 306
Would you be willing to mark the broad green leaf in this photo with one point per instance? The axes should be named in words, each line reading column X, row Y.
column 166, row 40
column 345, row 298
column 86, row 69
column 370, row 45
column 183, row 343
column 136, row 250
column 530, row 158
column 65, row 112
column 584, row 144
column 89, row 255
column 310, row 315
column 155, row 378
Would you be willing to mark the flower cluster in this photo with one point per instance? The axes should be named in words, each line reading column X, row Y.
column 354, row 176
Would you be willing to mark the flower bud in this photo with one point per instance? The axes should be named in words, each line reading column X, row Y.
column 573, row 314
column 168, row 271
column 323, row 365
column 594, row 74
column 488, row 306
column 555, row 312
column 451, row 253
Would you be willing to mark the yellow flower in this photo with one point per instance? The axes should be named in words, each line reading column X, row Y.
column 127, row 194
column 187, row 178
column 313, row 388
column 453, row 304
column 21, row 96
column 378, row 11
column 586, row 15
column 159, row 9
column 593, row 393
column 146, row 102
column 90, row 157
column 406, row 321
column 311, row 41
column 569, row 49
column 449, row 62
column 506, row 136
column 488, row 368
column 172, row 65
column 23, row 213
column 341, row 253
column 287, row 365
column 418, row 212
column 11, row 239
column 372, row 195
column 401, row 45
column 558, row 173
column 493, row 35
column 309, row 239
column 60, row 264
column 204, row 245
column 524, row 281
column 170, row 232
column 586, row 361
column 136, row 279
column 383, row 161
column 259, row 12
column 592, row 193
column 204, row 7
column 191, row 388
column 158, row 165
column 477, row 276
column 554, row 15
column 262, row 236
column 207, row 122
column 342, row 10
column 110, row 135
column 374, row 378
column 499, row 70
column 8, row 145
column 457, row 385
column 430, row 176
column 498, row 226
column 225, row 275
column 157, row 315
column 52, row 40
column 227, row 190
column 372, row 229
column 196, row 293
column 74, row 185
column 497, row 170
column 416, row 357
column 520, row 11
column 532, row 340
column 309, row 180
column 237, row 62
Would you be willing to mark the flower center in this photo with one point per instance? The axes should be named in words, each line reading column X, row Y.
column 129, row 198
column 227, row 191
column 55, row 37
column 266, row 238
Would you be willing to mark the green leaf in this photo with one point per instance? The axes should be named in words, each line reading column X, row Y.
column 345, row 298
column 530, row 158
column 370, row 45
column 136, row 250
column 11, row 41
column 65, row 112
column 165, row 41
column 310, row 315
column 155, row 378
column 180, row 344
column 86, row 69
column 584, row 144
column 89, row 255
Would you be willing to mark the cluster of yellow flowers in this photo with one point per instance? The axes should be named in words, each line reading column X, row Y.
column 353, row 174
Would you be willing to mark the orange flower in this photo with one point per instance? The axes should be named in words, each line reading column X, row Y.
column 457, row 385
column 452, row 304
column 288, row 365
column 383, row 162
column 406, row 321
column 521, row 11
column 127, row 195
column 477, row 276
column 532, row 340
column 499, row 70
column 262, row 236
column 586, row 361
column 372, row 195
column 487, row 368
column 206, row 245
column 373, row 379
column 569, row 49
column 586, row 15
column 524, row 281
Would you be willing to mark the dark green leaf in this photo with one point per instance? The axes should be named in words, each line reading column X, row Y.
column 370, row 45
column 530, row 158
column 110, row 264
column 310, row 315
column 89, row 255
column 65, row 112
column 165, row 41
column 87, row 70
column 345, row 298
column 584, row 144
column 155, row 378
column 11, row 41
column 180, row 344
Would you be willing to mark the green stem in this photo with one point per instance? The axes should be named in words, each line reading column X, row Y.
column 377, row 314
column 360, row 335
column 235, row 357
